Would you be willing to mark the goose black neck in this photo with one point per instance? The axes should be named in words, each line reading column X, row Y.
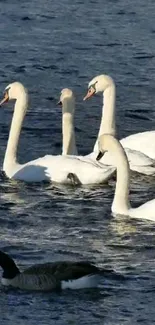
column 10, row 270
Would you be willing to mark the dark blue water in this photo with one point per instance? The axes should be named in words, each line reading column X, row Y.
column 49, row 45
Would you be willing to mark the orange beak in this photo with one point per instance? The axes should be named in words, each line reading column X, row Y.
column 90, row 93
column 5, row 99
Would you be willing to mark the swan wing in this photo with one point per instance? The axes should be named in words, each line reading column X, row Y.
column 139, row 162
column 143, row 142
column 145, row 211
column 86, row 171
column 41, row 169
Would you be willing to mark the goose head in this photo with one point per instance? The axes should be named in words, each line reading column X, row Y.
column 13, row 91
column 98, row 84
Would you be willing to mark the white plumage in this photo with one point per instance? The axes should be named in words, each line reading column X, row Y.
column 121, row 204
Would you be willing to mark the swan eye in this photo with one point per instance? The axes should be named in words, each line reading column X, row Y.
column 93, row 87
column 92, row 90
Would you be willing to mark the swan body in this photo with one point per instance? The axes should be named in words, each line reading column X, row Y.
column 85, row 169
column 142, row 141
column 121, row 204
column 138, row 160
column 50, row 167
column 50, row 276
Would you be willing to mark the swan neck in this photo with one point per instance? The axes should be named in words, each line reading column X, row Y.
column 20, row 108
column 68, row 132
column 108, row 113
column 121, row 197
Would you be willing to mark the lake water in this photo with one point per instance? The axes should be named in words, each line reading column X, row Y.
column 49, row 45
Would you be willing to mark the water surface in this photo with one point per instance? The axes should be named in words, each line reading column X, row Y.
column 48, row 46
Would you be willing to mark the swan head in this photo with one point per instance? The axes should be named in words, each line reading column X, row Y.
column 105, row 143
column 98, row 84
column 13, row 91
column 66, row 95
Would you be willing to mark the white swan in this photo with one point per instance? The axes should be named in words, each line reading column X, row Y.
column 67, row 101
column 121, row 204
column 51, row 276
column 49, row 167
column 137, row 160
